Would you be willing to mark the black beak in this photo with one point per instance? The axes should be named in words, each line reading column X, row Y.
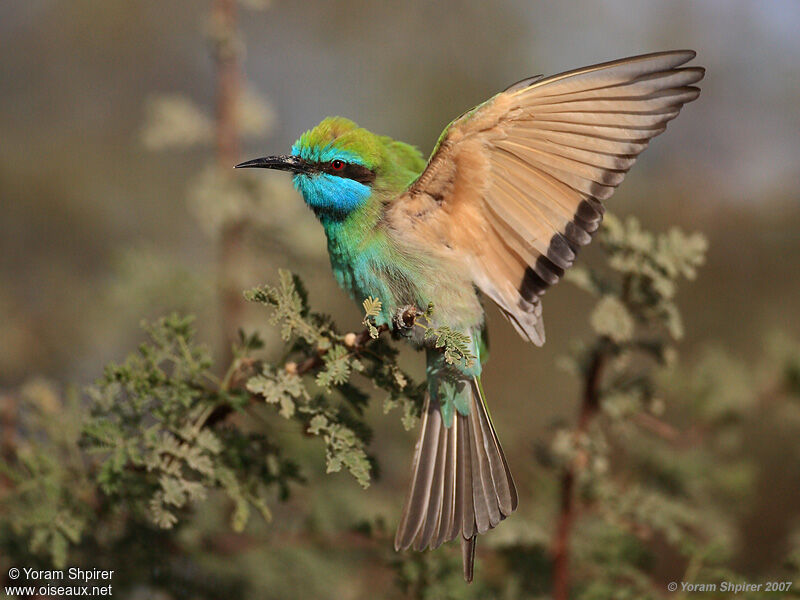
column 295, row 164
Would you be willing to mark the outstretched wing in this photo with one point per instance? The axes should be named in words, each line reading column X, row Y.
column 514, row 186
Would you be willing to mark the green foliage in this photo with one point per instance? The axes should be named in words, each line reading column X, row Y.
column 634, row 319
column 163, row 434
column 647, row 268
column 334, row 360
column 49, row 496
column 290, row 302
column 645, row 487
column 372, row 308
column 147, row 424
column 455, row 345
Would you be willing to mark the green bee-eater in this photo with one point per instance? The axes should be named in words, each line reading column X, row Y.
column 512, row 190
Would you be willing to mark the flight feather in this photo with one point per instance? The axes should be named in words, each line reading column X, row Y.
column 515, row 186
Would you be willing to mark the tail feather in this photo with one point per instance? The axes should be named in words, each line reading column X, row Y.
column 468, row 557
column 433, row 512
column 419, row 492
column 501, row 475
column 464, row 485
column 445, row 529
column 487, row 513
column 460, row 485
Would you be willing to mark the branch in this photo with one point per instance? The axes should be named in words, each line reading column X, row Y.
column 657, row 427
column 228, row 89
column 356, row 342
column 8, row 432
column 226, row 56
column 590, row 406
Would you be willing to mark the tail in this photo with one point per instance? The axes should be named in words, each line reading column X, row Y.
column 461, row 484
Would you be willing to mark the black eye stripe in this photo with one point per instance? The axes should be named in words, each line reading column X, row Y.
column 358, row 173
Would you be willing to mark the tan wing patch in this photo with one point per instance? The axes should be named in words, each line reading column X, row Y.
column 515, row 188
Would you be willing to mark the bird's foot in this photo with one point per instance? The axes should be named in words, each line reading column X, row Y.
column 405, row 318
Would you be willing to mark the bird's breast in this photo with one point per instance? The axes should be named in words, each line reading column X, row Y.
column 368, row 261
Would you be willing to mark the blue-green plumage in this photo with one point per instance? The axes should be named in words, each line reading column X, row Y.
column 331, row 195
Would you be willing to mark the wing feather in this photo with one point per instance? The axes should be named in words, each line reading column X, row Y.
column 515, row 186
column 611, row 73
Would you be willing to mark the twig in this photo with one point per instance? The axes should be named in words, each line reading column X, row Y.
column 355, row 341
column 657, row 426
column 358, row 341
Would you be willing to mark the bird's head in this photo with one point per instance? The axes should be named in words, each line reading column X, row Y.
column 338, row 166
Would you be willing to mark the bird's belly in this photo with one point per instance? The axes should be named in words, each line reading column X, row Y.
column 454, row 298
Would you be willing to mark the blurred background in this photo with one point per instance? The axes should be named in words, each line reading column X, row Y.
column 114, row 206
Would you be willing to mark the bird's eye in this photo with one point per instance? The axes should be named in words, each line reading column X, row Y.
column 337, row 165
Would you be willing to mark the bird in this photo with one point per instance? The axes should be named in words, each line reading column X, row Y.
column 512, row 190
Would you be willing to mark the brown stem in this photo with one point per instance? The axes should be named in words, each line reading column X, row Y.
column 656, row 426
column 312, row 362
column 8, row 433
column 231, row 243
column 228, row 81
column 359, row 342
column 590, row 405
